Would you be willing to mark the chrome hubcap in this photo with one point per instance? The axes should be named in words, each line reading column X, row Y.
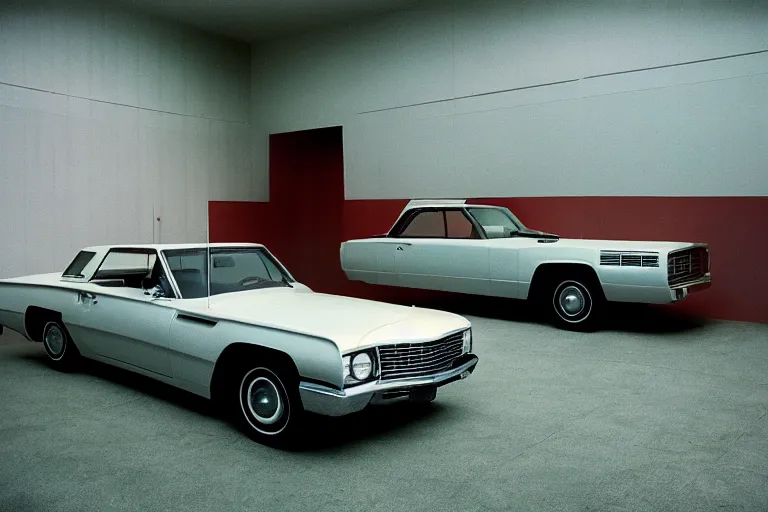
column 264, row 401
column 571, row 301
column 54, row 338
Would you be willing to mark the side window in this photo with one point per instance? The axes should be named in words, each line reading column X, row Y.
column 75, row 269
column 458, row 225
column 129, row 268
column 425, row 224
column 192, row 260
column 189, row 270
column 118, row 260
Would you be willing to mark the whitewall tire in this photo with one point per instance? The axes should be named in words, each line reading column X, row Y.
column 574, row 303
column 61, row 351
column 268, row 407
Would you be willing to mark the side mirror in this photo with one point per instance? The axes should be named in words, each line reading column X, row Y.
column 165, row 288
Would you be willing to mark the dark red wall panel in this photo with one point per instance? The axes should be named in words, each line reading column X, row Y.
column 230, row 221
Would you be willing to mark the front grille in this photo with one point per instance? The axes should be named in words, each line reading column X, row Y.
column 627, row 259
column 404, row 360
column 687, row 265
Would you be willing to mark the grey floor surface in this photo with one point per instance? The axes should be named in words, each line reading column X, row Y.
column 656, row 414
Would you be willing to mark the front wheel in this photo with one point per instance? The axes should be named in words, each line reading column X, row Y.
column 268, row 407
column 576, row 304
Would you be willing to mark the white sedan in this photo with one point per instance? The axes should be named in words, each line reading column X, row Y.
column 250, row 337
column 485, row 250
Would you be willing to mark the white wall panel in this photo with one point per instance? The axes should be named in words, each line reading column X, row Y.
column 197, row 168
column 104, row 53
column 14, row 124
column 504, row 44
column 670, row 138
column 666, row 131
column 105, row 123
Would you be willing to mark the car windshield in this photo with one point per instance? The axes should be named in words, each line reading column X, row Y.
column 232, row 270
column 496, row 217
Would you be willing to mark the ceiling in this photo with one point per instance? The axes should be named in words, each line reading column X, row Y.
column 255, row 20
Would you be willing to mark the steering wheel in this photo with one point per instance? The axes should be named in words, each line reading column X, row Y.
column 248, row 279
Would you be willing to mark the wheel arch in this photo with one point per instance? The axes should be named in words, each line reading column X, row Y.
column 233, row 355
column 546, row 272
column 35, row 318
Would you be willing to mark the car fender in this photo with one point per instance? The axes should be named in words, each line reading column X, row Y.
column 197, row 343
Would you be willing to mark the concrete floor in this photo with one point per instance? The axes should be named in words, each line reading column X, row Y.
column 651, row 414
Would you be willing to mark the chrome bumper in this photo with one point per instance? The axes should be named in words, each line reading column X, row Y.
column 680, row 291
column 332, row 402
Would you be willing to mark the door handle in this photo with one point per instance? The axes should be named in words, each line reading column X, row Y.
column 88, row 295
column 399, row 248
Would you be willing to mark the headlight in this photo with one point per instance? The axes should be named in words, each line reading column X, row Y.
column 466, row 346
column 358, row 368
column 362, row 366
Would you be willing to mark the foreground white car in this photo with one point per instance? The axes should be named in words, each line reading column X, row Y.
column 453, row 246
column 251, row 337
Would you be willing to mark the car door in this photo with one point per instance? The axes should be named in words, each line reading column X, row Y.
column 122, row 323
column 382, row 255
column 503, row 251
column 440, row 250
column 371, row 260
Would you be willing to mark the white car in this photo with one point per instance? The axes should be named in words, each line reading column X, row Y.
column 485, row 250
column 250, row 337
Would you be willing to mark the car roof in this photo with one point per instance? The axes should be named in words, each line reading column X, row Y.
column 165, row 247
column 442, row 203
column 435, row 203
column 421, row 203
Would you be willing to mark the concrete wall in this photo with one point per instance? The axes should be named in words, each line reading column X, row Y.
column 532, row 98
column 109, row 120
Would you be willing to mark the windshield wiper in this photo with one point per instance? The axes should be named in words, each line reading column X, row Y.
column 530, row 233
column 264, row 284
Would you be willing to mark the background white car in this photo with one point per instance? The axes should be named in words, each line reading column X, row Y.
column 252, row 338
column 477, row 249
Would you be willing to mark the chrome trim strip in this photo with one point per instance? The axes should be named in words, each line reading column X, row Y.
column 706, row 278
column 332, row 402
column 400, row 341
column 689, row 247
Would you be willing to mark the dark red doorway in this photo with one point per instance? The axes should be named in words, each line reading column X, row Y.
column 306, row 194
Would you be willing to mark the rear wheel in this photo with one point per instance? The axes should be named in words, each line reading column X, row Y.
column 61, row 351
column 573, row 304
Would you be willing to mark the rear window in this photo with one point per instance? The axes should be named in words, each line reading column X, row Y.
column 126, row 263
column 120, row 260
column 75, row 269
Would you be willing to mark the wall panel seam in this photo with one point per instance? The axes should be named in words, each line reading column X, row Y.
column 561, row 82
column 126, row 105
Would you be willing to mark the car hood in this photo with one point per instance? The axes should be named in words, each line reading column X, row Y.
column 349, row 322
column 625, row 245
